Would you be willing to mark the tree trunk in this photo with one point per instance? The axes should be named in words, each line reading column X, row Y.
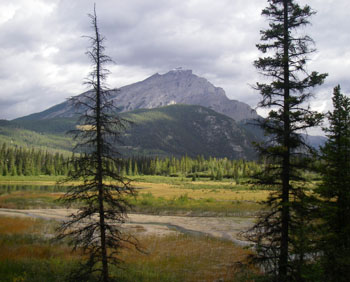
column 283, row 260
column 105, row 274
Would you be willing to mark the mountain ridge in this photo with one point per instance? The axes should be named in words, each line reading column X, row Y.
column 176, row 113
column 188, row 130
column 174, row 87
column 174, row 130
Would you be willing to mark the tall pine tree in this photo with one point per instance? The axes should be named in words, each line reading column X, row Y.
column 95, row 227
column 285, row 92
column 335, row 193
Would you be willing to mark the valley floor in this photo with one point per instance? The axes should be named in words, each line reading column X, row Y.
column 190, row 230
column 227, row 228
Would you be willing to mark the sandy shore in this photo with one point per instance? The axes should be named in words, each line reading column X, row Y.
column 227, row 228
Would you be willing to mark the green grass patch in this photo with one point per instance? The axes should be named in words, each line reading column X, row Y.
column 177, row 180
column 184, row 204
column 30, row 196
column 214, row 200
column 45, row 179
column 36, row 270
column 210, row 186
column 180, row 180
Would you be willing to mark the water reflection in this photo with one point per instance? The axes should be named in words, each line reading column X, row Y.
column 8, row 188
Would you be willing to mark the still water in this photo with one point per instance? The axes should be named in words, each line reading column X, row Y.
column 8, row 188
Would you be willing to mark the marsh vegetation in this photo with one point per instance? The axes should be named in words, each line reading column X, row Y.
column 29, row 253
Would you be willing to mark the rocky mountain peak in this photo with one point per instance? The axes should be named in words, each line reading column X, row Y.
column 178, row 86
column 180, row 71
column 181, row 86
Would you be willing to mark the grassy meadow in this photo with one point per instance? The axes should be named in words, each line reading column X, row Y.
column 29, row 253
column 156, row 195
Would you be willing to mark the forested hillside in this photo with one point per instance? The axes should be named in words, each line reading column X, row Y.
column 31, row 136
column 175, row 130
column 180, row 130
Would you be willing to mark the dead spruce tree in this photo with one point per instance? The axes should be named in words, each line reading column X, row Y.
column 95, row 228
column 280, row 233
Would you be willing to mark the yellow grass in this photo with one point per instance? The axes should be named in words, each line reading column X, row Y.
column 26, row 182
column 18, row 225
column 18, row 248
column 197, row 258
column 31, row 195
column 214, row 183
column 10, row 201
column 169, row 191
column 36, row 251
column 194, row 258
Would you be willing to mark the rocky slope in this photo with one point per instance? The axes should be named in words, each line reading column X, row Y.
column 175, row 87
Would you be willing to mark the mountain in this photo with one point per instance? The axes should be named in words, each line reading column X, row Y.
column 186, row 129
column 174, row 130
column 255, row 132
column 175, row 87
column 15, row 134
column 315, row 141
column 176, row 113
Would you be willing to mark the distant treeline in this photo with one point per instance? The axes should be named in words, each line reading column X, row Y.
column 21, row 161
column 197, row 167
column 16, row 161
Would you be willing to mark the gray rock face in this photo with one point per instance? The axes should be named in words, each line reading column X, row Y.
column 175, row 87
column 180, row 87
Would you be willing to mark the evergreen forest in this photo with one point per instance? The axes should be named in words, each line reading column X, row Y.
column 21, row 161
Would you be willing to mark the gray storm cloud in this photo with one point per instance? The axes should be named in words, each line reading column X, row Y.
column 42, row 48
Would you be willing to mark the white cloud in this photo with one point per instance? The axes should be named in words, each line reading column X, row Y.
column 7, row 12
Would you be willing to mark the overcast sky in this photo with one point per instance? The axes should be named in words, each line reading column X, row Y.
column 43, row 61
